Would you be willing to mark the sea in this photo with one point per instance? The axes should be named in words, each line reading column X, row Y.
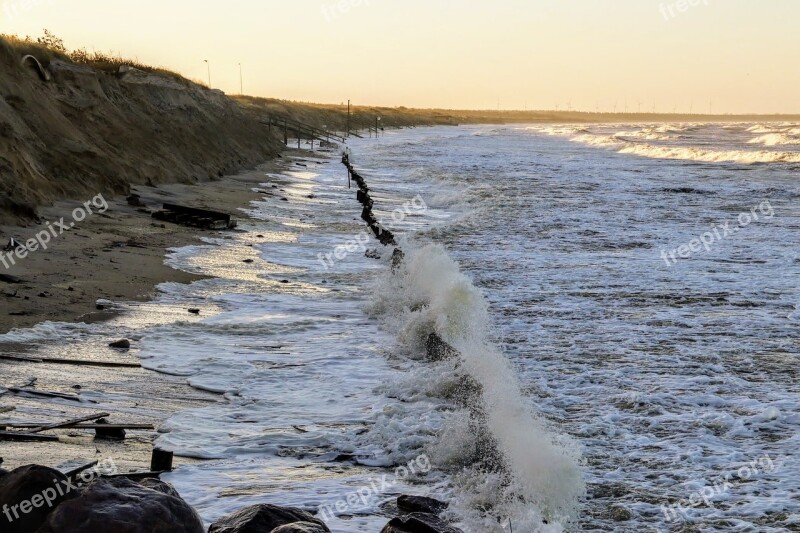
column 620, row 302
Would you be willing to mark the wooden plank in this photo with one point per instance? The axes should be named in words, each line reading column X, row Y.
column 68, row 422
column 136, row 475
column 75, row 471
column 29, row 425
column 197, row 212
column 77, row 362
column 46, row 394
column 16, row 435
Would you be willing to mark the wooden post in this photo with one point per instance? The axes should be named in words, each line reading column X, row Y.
column 285, row 133
column 298, row 138
column 161, row 461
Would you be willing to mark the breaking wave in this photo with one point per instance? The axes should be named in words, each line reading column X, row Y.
column 672, row 141
column 539, row 480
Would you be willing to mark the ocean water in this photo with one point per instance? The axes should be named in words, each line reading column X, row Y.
column 623, row 299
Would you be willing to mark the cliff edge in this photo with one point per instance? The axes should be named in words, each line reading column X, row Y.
column 72, row 131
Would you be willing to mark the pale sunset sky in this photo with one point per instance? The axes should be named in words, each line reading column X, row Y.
column 733, row 55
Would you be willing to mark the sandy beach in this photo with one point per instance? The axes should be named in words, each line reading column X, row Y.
column 118, row 256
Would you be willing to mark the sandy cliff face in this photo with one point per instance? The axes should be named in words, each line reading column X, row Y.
column 86, row 132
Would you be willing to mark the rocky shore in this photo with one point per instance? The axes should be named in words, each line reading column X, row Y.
column 38, row 499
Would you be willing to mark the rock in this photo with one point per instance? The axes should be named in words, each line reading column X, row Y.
column 7, row 278
column 372, row 254
column 437, row 349
column 194, row 311
column 619, row 513
column 119, row 505
column 263, row 519
column 135, row 200
column 22, row 489
column 123, row 344
column 159, row 486
column 419, row 523
column 248, row 261
column 301, row 527
column 420, row 504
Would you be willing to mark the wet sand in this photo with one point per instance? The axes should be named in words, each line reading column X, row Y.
column 118, row 255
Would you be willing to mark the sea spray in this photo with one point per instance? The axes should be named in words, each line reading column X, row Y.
column 541, row 478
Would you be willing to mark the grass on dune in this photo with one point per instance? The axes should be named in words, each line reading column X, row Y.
column 50, row 47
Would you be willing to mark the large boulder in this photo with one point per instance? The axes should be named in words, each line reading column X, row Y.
column 301, row 527
column 29, row 494
column 263, row 518
column 419, row 523
column 420, row 504
column 159, row 486
column 119, row 505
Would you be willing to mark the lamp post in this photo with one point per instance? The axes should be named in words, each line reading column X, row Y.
column 377, row 123
column 209, row 72
column 241, row 80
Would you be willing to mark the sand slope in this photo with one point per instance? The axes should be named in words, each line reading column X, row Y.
column 87, row 131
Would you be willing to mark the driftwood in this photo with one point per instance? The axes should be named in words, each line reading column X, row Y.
column 46, row 394
column 75, row 471
column 192, row 216
column 17, row 435
column 30, row 425
column 77, row 362
column 66, row 423
column 134, row 475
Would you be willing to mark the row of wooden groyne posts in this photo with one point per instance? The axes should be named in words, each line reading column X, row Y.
column 469, row 392
column 95, row 497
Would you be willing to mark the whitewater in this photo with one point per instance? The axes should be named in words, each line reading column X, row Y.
column 594, row 386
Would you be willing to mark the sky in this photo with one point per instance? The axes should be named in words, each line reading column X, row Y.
column 727, row 56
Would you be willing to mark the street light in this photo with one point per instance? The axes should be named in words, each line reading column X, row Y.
column 241, row 80
column 377, row 121
column 209, row 72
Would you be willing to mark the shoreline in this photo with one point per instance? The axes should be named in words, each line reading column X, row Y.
column 130, row 274
column 115, row 255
